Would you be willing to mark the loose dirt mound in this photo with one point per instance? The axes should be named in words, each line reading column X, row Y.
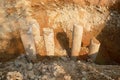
column 62, row 68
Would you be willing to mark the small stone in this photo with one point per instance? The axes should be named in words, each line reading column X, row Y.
column 19, row 64
column 58, row 70
column 52, row 79
column 39, row 77
column 64, row 58
column 14, row 76
column 3, row 77
column 31, row 74
column 67, row 77
column 84, row 78
column 44, row 69
column 84, row 73
column 30, row 66
column 36, row 78
column 74, row 58
column 111, row 14
column 78, row 61
column 45, row 77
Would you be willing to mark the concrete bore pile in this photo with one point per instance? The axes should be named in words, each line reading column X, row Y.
column 29, row 43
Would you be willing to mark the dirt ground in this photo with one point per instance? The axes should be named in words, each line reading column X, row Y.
column 62, row 68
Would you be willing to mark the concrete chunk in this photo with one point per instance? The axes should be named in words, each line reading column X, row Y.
column 94, row 48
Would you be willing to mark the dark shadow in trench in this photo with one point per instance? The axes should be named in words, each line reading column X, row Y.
column 16, row 47
column 63, row 41
column 109, row 38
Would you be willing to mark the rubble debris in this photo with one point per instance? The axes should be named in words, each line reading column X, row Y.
column 57, row 69
column 14, row 76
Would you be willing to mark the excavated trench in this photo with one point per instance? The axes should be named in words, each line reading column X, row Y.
column 109, row 37
column 100, row 19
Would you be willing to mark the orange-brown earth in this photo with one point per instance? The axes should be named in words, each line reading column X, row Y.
column 99, row 18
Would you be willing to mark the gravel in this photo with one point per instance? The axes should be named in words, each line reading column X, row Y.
column 57, row 69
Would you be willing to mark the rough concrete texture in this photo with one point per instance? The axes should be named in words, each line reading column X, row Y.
column 49, row 41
